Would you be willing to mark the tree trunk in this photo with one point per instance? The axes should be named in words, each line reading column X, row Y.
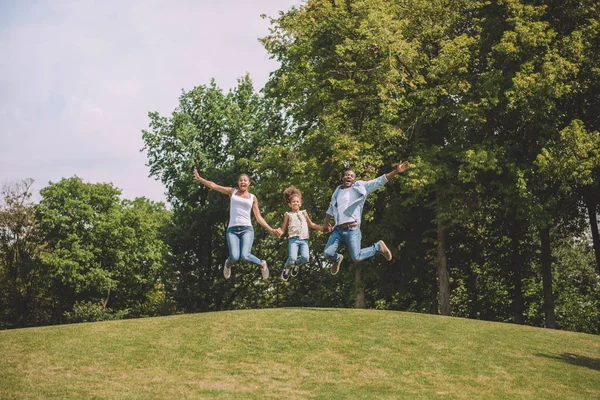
column 518, row 303
column 591, row 206
column 517, row 269
column 105, row 302
column 442, row 271
column 547, row 279
column 434, row 297
column 475, row 310
column 359, row 288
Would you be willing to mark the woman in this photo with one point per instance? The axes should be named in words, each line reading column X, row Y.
column 240, row 234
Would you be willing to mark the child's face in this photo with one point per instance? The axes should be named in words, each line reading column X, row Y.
column 295, row 203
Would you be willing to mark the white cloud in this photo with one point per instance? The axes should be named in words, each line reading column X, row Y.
column 78, row 78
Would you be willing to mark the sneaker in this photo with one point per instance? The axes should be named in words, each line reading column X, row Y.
column 226, row 270
column 383, row 249
column 335, row 267
column 294, row 269
column 285, row 273
column 264, row 269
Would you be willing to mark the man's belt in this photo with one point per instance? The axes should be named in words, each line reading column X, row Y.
column 347, row 225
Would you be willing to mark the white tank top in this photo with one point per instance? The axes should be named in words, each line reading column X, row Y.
column 239, row 210
column 297, row 225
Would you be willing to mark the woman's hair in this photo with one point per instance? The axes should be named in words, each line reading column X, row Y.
column 290, row 192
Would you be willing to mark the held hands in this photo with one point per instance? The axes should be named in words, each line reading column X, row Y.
column 326, row 228
column 277, row 232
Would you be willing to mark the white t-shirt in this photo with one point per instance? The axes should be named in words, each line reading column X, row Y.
column 345, row 197
column 240, row 209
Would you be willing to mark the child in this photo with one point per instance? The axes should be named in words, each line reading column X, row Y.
column 297, row 223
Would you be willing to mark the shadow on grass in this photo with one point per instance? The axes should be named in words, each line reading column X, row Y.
column 582, row 361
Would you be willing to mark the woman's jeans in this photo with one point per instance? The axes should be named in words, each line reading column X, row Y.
column 351, row 237
column 296, row 245
column 239, row 241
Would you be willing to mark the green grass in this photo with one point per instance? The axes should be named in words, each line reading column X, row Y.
column 298, row 354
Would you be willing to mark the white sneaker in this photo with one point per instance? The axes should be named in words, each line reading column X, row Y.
column 264, row 269
column 226, row 270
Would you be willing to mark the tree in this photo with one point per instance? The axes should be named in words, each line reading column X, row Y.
column 546, row 146
column 367, row 83
column 100, row 249
column 221, row 135
column 140, row 235
column 23, row 288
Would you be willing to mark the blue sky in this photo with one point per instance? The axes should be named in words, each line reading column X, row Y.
column 78, row 78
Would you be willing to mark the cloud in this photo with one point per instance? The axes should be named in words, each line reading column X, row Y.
column 79, row 78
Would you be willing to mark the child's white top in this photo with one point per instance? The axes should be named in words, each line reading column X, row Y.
column 297, row 225
column 239, row 210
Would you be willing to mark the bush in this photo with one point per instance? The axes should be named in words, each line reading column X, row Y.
column 87, row 311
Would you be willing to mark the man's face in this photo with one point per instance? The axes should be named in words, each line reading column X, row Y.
column 348, row 179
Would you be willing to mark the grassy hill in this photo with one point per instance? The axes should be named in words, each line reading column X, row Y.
column 298, row 354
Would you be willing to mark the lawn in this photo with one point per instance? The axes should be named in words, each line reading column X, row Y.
column 298, row 354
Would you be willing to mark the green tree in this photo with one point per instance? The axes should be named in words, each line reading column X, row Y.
column 101, row 249
column 140, row 235
column 23, row 286
column 577, row 286
column 71, row 215
column 370, row 82
column 220, row 134
column 545, row 145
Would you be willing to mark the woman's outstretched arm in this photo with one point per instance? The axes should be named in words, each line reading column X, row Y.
column 211, row 185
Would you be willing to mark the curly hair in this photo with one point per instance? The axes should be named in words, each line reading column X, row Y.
column 290, row 192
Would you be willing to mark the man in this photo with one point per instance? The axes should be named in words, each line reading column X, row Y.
column 346, row 207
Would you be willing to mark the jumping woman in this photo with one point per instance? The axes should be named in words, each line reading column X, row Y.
column 240, row 234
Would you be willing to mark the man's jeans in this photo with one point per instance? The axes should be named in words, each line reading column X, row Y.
column 239, row 241
column 351, row 237
column 296, row 245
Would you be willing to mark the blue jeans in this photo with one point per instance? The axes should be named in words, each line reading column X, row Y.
column 351, row 237
column 296, row 245
column 239, row 241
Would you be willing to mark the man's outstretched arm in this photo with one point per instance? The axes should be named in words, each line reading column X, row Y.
column 376, row 183
column 403, row 166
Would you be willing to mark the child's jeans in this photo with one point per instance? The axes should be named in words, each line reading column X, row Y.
column 296, row 245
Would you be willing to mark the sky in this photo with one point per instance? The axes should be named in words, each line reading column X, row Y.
column 78, row 78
